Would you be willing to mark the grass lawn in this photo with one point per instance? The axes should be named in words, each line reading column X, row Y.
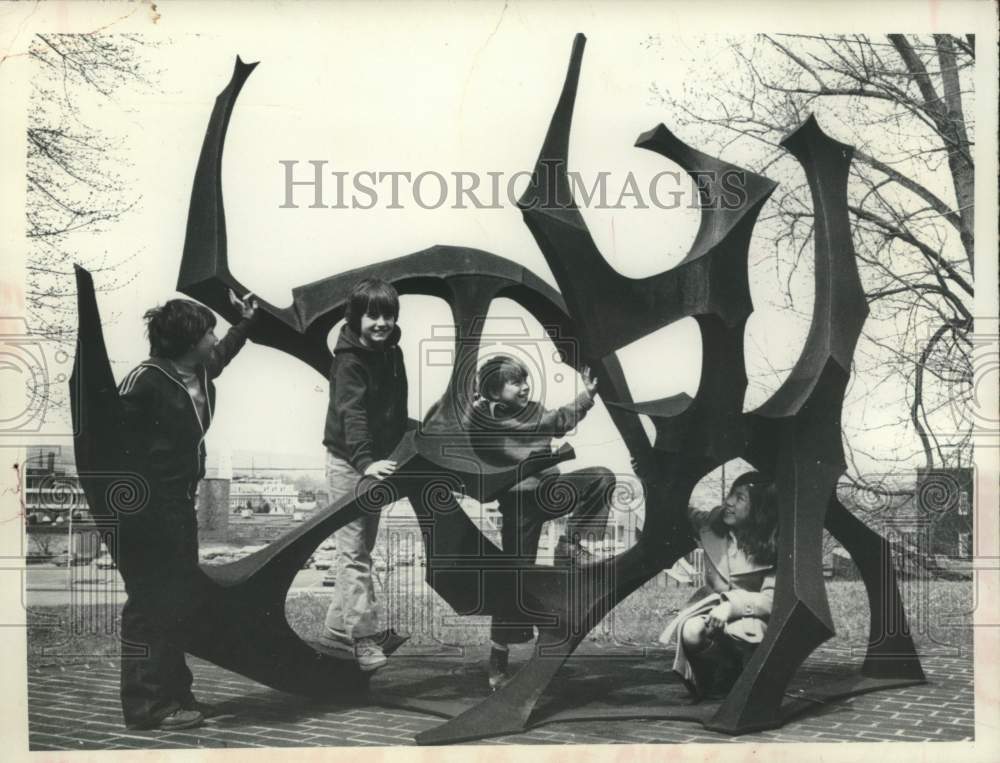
column 939, row 612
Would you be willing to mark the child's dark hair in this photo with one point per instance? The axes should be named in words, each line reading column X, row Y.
column 757, row 536
column 497, row 371
column 176, row 326
column 372, row 297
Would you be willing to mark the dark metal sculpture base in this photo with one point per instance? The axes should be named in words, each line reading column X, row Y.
column 598, row 688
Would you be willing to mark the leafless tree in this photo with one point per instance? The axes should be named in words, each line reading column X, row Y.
column 905, row 103
column 76, row 186
column 77, row 182
column 42, row 543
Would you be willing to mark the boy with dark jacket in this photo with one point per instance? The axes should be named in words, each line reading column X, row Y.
column 167, row 403
column 366, row 419
column 510, row 425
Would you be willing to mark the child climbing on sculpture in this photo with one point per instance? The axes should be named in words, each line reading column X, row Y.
column 727, row 618
column 366, row 419
column 515, row 426
column 168, row 403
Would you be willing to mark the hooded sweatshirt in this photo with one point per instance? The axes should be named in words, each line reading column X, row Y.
column 367, row 415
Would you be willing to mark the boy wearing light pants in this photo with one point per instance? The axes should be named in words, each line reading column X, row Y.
column 365, row 421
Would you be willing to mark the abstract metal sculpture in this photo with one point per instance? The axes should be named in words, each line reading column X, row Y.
column 795, row 436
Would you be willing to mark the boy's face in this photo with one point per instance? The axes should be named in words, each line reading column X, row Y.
column 515, row 392
column 376, row 329
column 205, row 345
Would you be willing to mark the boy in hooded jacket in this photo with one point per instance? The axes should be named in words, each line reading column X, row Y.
column 168, row 402
column 366, row 419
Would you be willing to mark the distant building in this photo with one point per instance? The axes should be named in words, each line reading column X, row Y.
column 928, row 524
column 944, row 497
column 262, row 495
column 52, row 491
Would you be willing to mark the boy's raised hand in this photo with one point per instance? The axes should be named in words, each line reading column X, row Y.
column 381, row 469
column 246, row 306
column 589, row 381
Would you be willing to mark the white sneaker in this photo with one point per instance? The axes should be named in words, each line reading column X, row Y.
column 369, row 654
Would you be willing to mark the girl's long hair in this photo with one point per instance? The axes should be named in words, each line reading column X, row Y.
column 757, row 537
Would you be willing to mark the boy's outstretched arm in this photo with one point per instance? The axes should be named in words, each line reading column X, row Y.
column 559, row 421
column 235, row 338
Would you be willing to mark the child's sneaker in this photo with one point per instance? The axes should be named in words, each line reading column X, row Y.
column 181, row 719
column 498, row 668
column 369, row 654
column 207, row 710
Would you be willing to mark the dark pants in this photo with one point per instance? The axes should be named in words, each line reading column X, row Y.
column 158, row 558
column 586, row 493
column 154, row 684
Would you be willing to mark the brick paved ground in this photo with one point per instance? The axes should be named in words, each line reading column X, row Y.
column 76, row 708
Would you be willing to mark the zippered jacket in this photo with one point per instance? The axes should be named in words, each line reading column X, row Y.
column 164, row 433
column 367, row 415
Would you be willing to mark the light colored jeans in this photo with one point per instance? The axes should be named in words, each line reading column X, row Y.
column 352, row 610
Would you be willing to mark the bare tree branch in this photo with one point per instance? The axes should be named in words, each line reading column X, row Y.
column 927, row 251
column 901, row 103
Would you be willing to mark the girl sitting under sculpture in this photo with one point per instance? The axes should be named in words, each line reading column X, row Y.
column 716, row 634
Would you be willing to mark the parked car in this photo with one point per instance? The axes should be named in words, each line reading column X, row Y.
column 309, row 562
column 105, row 562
